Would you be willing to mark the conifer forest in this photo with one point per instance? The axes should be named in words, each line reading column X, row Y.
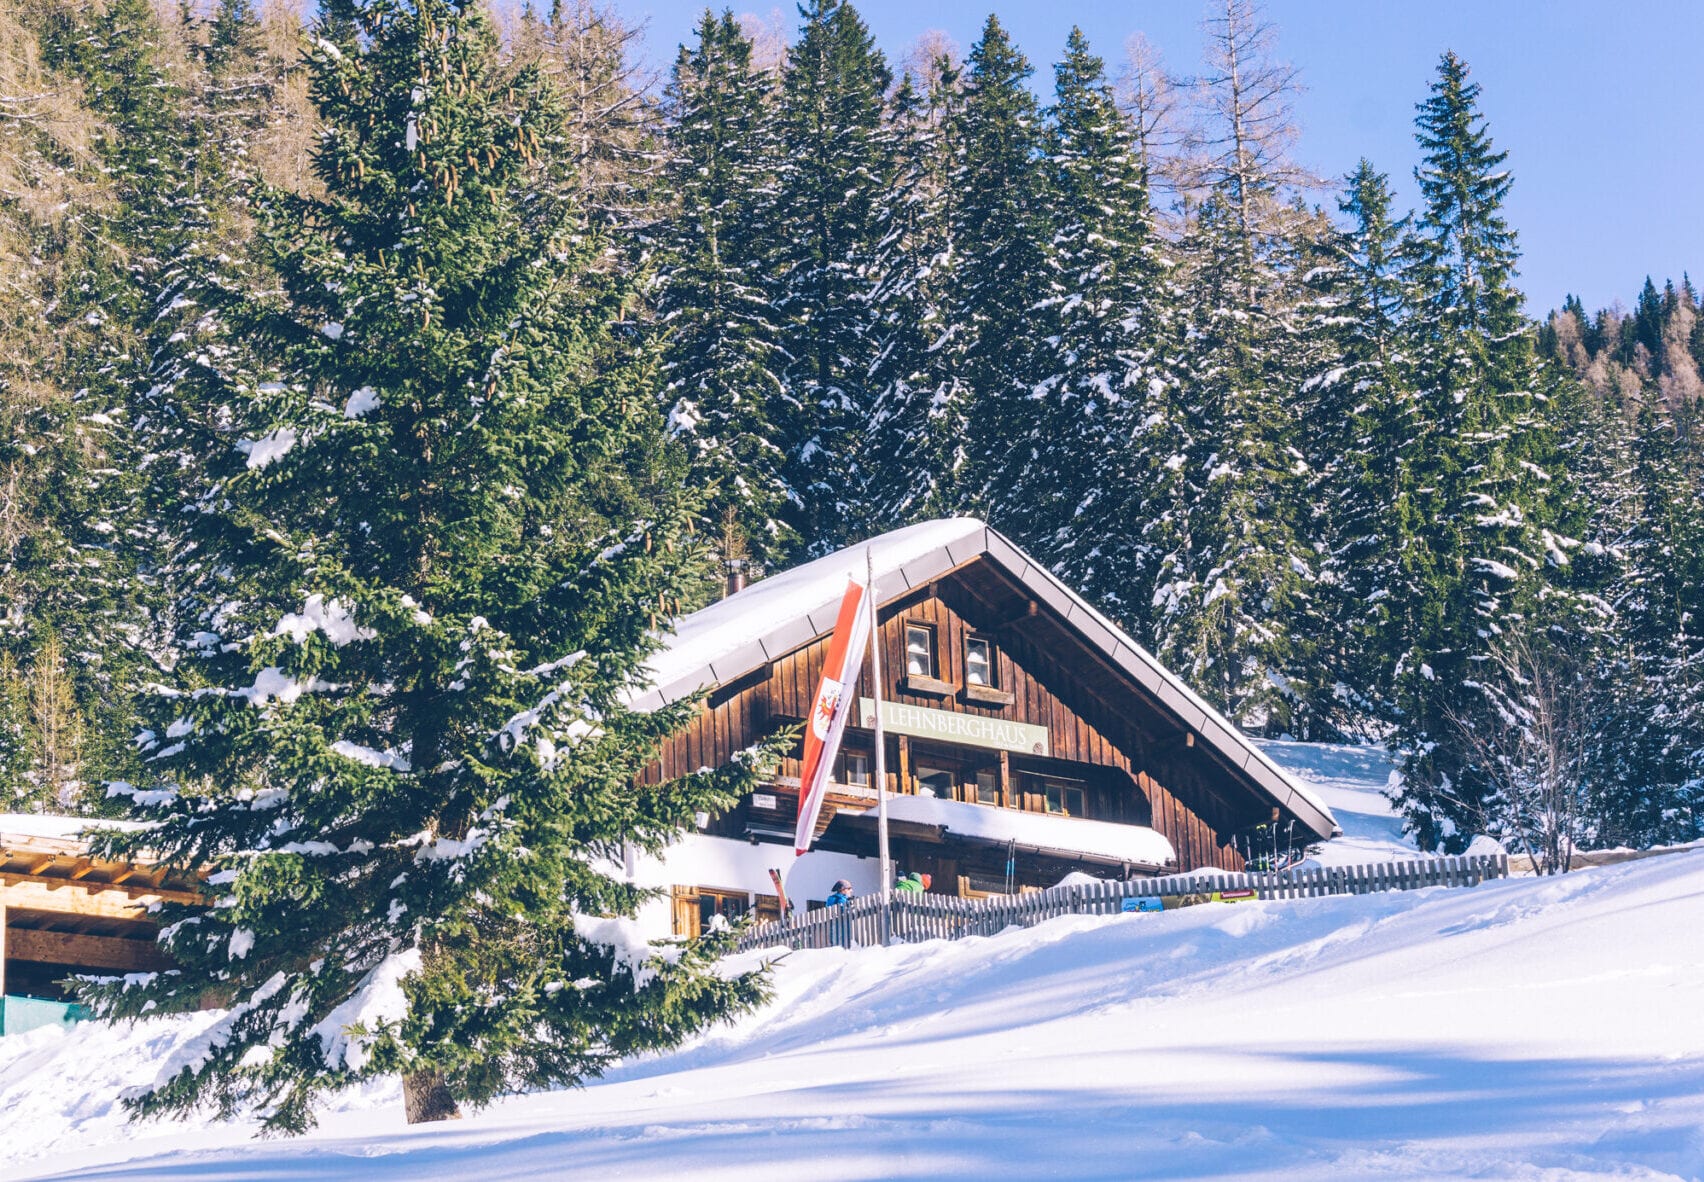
column 376, row 383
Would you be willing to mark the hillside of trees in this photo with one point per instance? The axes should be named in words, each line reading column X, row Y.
column 1305, row 445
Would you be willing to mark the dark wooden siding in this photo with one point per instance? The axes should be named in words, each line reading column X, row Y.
column 1091, row 719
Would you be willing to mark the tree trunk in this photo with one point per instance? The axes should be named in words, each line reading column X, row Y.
column 425, row 1097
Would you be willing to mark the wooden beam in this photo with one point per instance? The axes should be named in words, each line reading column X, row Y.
column 138, row 890
column 2, row 963
column 70, row 899
column 86, row 952
column 1027, row 613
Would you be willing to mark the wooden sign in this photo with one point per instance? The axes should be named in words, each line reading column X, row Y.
column 924, row 723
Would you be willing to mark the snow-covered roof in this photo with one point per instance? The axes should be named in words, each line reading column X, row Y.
column 786, row 611
column 778, row 614
column 56, row 828
column 1136, row 844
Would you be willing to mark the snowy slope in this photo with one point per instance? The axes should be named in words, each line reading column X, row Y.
column 1351, row 781
column 1528, row 1028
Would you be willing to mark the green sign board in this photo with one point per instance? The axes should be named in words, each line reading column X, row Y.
column 924, row 723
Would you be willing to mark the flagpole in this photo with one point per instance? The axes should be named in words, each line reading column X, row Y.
column 881, row 742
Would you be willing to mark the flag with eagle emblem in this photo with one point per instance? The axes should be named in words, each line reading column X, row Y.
column 831, row 707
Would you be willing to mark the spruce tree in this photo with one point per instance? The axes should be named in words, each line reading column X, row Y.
column 1652, row 751
column 999, row 232
column 1360, row 425
column 1078, row 494
column 914, row 440
column 71, row 574
column 722, row 353
column 1236, row 577
column 431, row 543
column 834, row 180
column 1497, row 534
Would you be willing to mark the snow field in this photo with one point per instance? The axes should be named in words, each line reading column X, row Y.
column 1525, row 1029
column 1528, row 1028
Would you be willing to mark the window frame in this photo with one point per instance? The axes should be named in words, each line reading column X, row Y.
column 689, row 916
column 842, row 764
column 992, row 663
column 931, row 639
column 1038, row 785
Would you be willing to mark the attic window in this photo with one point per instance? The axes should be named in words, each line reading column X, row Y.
column 920, row 651
column 979, row 667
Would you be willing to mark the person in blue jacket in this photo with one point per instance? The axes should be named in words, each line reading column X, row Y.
column 842, row 893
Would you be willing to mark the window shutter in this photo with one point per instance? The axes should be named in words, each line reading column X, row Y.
column 685, row 911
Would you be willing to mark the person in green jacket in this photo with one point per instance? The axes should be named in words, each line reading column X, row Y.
column 914, row 882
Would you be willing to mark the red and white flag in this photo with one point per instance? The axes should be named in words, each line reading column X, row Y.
column 832, row 706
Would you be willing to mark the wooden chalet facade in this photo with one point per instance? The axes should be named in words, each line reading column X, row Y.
column 1002, row 690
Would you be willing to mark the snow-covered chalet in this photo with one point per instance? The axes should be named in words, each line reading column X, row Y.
column 1027, row 738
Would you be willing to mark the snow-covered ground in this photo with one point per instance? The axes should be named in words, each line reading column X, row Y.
column 1528, row 1028
column 1351, row 782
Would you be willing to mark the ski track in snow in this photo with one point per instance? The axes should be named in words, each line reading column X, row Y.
column 1526, row 1029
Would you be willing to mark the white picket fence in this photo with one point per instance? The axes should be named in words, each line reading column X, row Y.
column 910, row 917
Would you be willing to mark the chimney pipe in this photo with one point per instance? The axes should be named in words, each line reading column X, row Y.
column 736, row 577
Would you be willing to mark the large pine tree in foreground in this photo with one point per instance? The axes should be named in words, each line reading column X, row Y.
column 432, row 531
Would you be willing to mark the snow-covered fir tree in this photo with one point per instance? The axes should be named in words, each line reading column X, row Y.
column 1651, row 750
column 1494, row 541
column 1236, row 574
column 834, row 187
column 722, row 352
column 430, row 546
column 912, row 439
column 998, row 226
column 119, row 294
column 1359, row 429
column 1105, row 395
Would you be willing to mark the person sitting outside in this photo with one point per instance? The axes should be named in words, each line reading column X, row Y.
column 914, row 882
column 841, row 894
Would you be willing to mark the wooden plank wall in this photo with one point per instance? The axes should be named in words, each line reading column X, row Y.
column 1082, row 726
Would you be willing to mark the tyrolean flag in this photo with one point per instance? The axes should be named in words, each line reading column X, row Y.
column 829, row 711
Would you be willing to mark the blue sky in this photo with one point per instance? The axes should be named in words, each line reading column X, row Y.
column 1596, row 103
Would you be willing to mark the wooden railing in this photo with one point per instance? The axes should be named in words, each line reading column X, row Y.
column 910, row 917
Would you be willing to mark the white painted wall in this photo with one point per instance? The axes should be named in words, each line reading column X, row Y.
column 700, row 860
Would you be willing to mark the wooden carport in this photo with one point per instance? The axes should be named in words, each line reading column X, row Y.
column 63, row 911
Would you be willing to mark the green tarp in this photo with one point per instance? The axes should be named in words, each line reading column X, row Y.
column 18, row 1014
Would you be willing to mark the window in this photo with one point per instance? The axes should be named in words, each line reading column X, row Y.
column 698, row 909
column 1064, row 798
column 951, row 776
column 979, row 667
column 936, row 781
column 852, row 767
column 920, row 651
